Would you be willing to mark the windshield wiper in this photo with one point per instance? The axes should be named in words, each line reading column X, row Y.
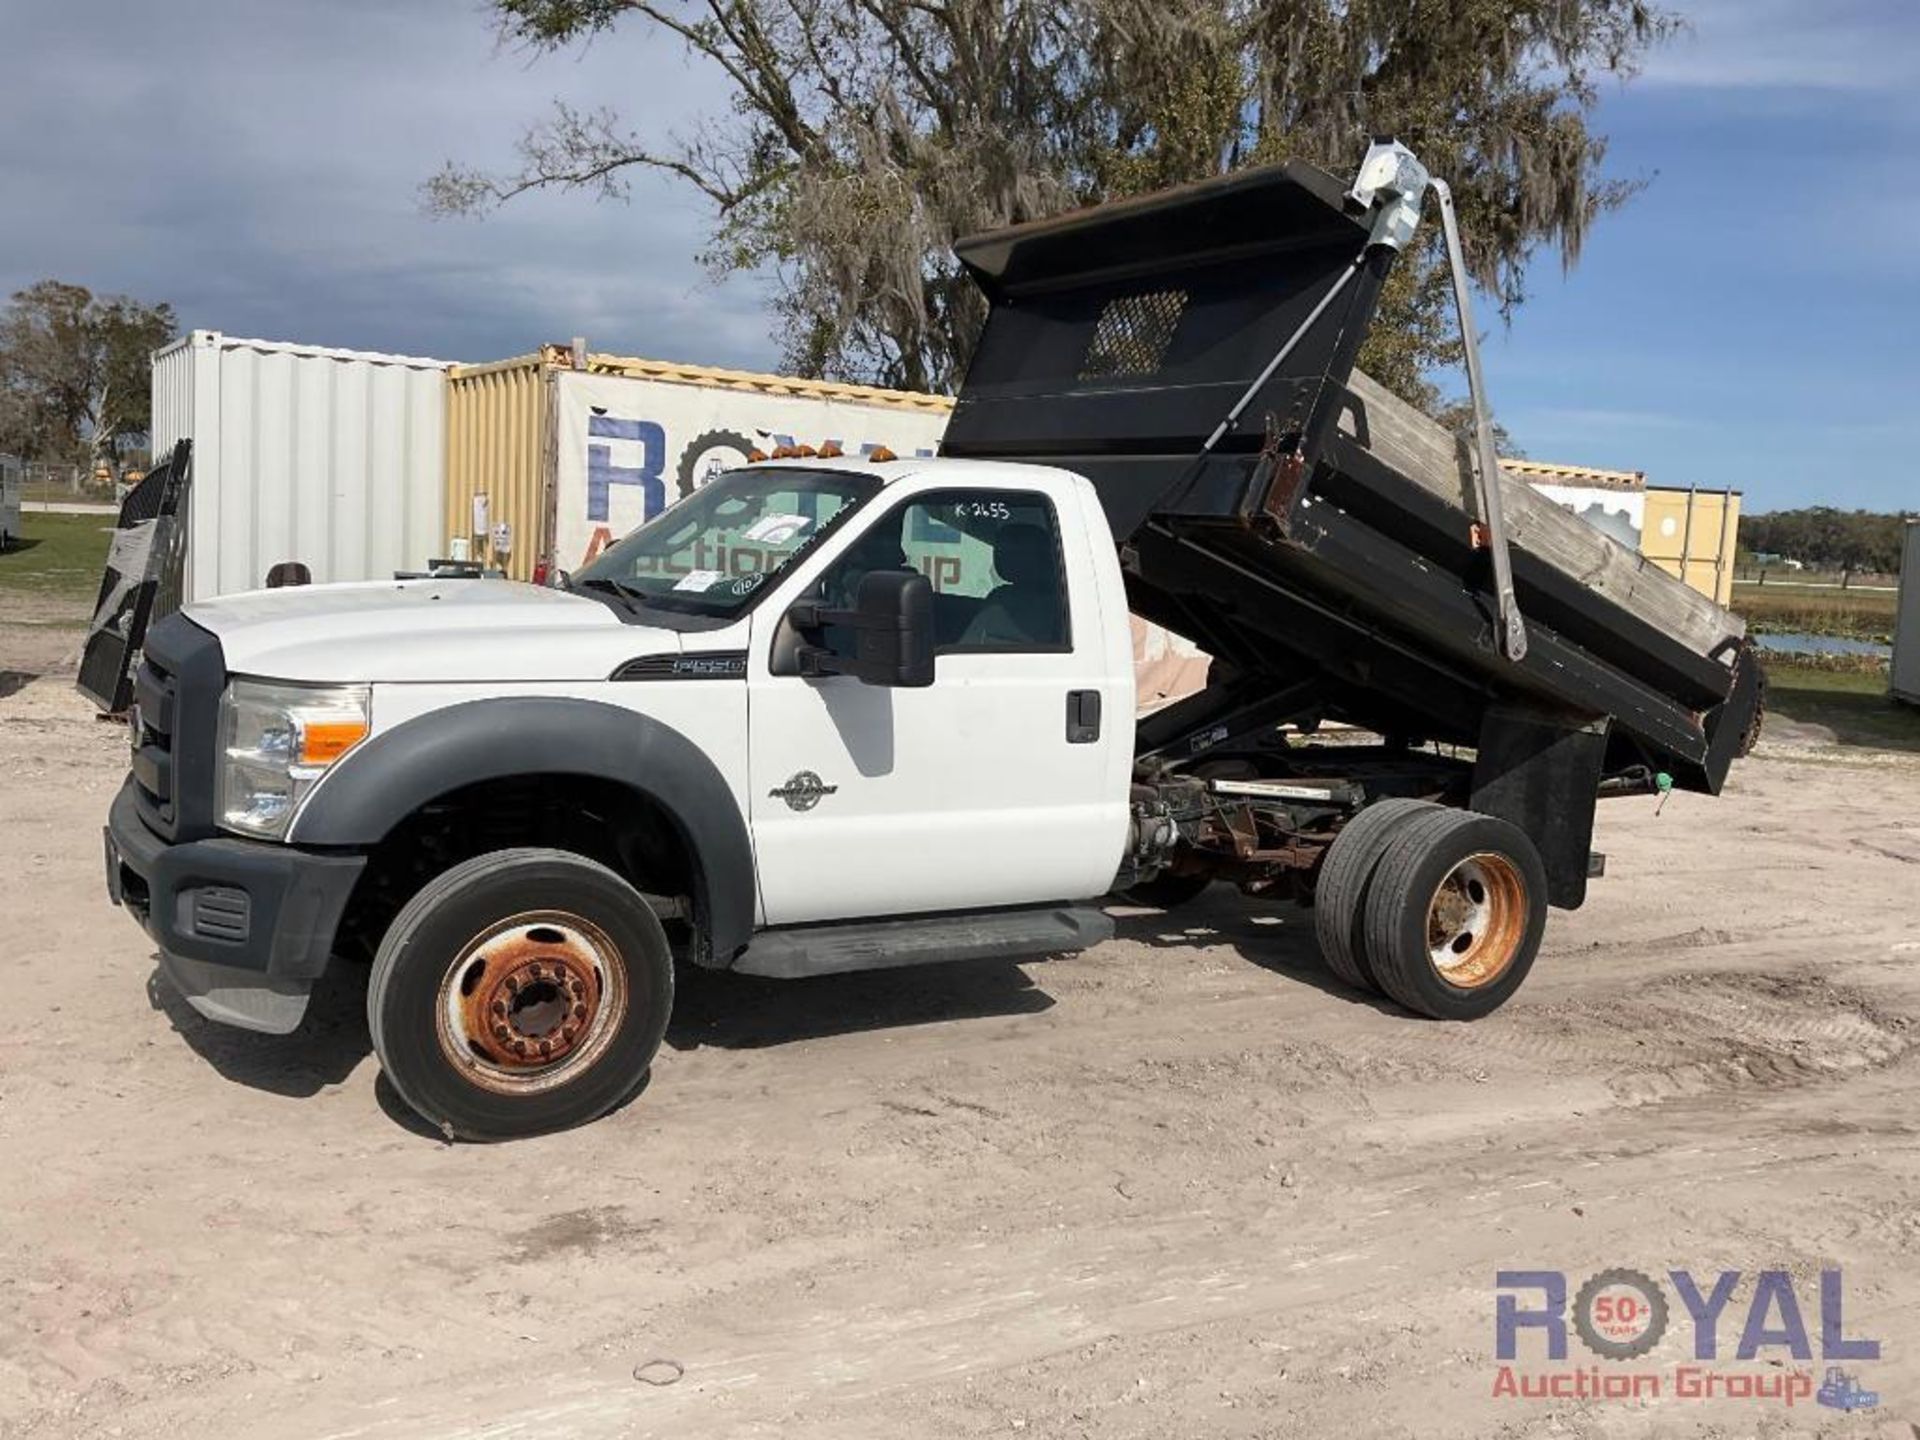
column 631, row 594
column 637, row 598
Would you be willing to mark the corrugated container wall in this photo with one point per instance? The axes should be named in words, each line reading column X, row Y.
column 1694, row 534
column 1905, row 679
column 333, row 458
column 497, row 442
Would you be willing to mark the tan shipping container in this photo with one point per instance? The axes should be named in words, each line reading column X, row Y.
column 1693, row 534
column 506, row 452
column 499, row 448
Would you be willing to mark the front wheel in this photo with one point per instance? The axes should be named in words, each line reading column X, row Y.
column 1455, row 913
column 520, row 992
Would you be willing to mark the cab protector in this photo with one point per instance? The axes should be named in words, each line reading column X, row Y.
column 393, row 774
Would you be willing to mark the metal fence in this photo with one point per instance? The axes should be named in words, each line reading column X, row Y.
column 48, row 482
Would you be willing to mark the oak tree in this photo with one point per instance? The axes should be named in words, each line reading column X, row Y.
column 860, row 138
column 74, row 371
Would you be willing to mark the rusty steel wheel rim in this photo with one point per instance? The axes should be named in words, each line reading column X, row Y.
column 1477, row 921
column 531, row 1002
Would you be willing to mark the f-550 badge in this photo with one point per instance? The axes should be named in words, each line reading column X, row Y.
column 803, row 791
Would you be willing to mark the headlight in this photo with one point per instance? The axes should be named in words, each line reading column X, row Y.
column 278, row 741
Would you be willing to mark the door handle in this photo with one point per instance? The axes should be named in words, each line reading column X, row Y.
column 1083, row 717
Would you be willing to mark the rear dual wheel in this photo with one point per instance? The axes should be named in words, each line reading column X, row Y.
column 1442, row 909
column 1340, row 894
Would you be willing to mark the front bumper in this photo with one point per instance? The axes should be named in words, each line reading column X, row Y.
column 243, row 926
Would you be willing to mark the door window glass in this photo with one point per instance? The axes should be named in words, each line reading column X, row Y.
column 992, row 557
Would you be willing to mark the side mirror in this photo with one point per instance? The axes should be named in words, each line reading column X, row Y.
column 892, row 625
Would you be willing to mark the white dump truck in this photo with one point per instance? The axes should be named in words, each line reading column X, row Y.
column 833, row 713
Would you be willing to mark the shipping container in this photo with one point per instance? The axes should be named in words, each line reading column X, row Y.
column 1689, row 533
column 335, row 459
column 1614, row 502
column 1904, row 680
column 553, row 456
column 1694, row 534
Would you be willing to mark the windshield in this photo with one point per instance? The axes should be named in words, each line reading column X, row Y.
column 713, row 552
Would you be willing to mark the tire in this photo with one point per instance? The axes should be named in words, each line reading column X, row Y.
column 483, row 972
column 1166, row 892
column 692, row 474
column 1750, row 737
column 1495, row 905
column 1340, row 894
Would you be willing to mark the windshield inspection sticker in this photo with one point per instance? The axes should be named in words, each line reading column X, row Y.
column 699, row 580
column 777, row 529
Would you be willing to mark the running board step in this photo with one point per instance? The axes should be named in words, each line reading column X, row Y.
column 924, row 940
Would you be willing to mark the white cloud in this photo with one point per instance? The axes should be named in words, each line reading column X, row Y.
column 259, row 165
column 1844, row 45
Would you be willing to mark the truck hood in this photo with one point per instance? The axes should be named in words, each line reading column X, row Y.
column 423, row 630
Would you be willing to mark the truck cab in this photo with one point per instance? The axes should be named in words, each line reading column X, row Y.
column 826, row 714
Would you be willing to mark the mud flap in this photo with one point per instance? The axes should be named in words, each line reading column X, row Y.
column 1541, row 771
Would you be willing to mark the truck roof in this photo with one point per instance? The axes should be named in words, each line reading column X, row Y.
column 892, row 472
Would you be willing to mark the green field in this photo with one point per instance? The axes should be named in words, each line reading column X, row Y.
column 1798, row 609
column 57, row 557
column 1850, row 700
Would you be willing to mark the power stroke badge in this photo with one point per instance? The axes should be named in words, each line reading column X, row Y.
column 803, row 791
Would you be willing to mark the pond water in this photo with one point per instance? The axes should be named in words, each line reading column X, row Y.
column 1799, row 644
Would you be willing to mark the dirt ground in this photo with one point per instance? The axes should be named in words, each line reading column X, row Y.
column 1182, row 1185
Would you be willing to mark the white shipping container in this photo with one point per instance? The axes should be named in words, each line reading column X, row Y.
column 1905, row 678
column 332, row 458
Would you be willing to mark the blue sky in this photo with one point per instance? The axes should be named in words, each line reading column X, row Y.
column 1749, row 320
column 1745, row 322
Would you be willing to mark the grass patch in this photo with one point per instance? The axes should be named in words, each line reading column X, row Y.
column 60, row 556
column 1850, row 699
column 1794, row 609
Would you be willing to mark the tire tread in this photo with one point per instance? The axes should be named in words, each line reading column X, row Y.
column 1340, row 894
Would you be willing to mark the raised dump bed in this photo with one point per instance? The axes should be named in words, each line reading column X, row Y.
column 1192, row 353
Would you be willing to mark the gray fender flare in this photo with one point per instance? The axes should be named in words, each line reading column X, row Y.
column 382, row 782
